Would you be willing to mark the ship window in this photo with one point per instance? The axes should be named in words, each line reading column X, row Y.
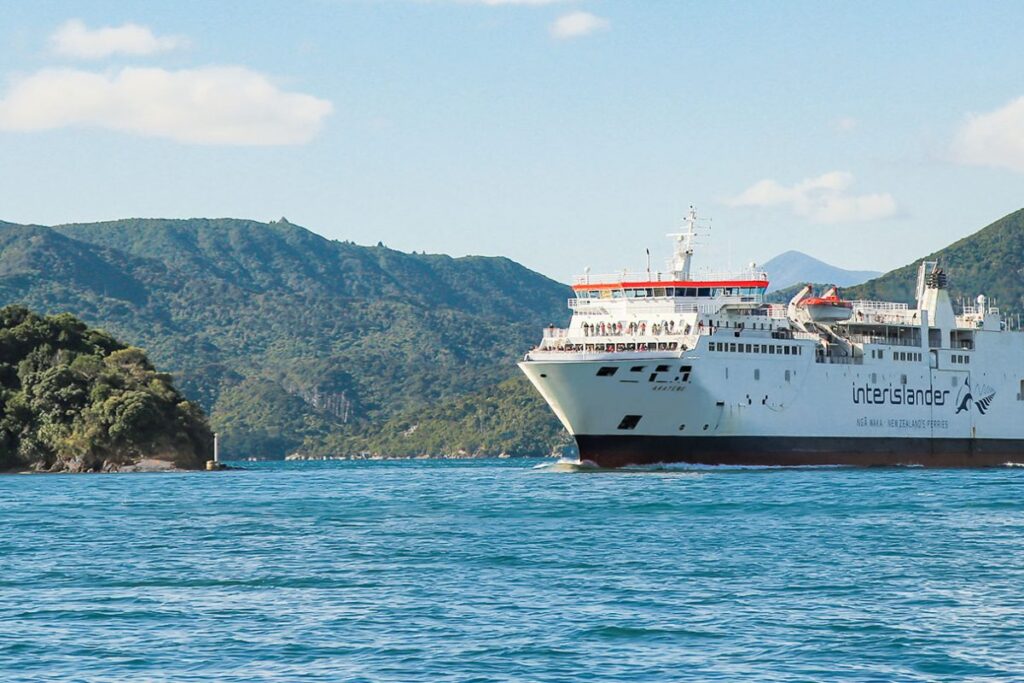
column 787, row 375
column 606, row 371
column 630, row 421
column 690, row 291
column 903, row 379
column 616, row 293
column 748, row 349
column 757, row 374
column 703, row 291
column 874, row 378
column 732, row 347
column 771, row 350
column 786, row 351
column 1020, row 396
column 637, row 368
column 659, row 291
column 967, row 359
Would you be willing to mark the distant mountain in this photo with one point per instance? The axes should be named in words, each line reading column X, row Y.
column 292, row 341
column 795, row 267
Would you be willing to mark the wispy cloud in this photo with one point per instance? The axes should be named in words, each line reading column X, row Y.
column 74, row 39
column 577, row 24
column 216, row 105
column 495, row 3
column 845, row 124
column 993, row 139
column 824, row 199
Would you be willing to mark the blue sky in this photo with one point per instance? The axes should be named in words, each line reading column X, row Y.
column 560, row 134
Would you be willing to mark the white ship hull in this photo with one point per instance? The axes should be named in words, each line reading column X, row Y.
column 760, row 409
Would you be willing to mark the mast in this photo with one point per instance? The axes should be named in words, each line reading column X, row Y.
column 684, row 242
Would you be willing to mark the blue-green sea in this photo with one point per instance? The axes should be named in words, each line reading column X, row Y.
column 513, row 570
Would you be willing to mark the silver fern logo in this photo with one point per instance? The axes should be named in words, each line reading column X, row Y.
column 966, row 397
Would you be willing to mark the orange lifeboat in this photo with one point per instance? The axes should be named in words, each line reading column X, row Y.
column 827, row 308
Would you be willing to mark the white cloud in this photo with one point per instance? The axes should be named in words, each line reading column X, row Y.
column 215, row 105
column 993, row 139
column 576, row 24
column 74, row 39
column 825, row 199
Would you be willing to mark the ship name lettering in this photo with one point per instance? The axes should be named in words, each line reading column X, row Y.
column 899, row 396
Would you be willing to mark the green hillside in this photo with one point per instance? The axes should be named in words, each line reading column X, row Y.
column 74, row 399
column 288, row 339
column 989, row 262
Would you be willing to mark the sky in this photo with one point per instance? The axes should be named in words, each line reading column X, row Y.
column 562, row 134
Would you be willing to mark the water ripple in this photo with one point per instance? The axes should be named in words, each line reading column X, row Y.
column 513, row 570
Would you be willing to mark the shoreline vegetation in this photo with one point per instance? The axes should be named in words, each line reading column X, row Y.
column 293, row 343
column 75, row 399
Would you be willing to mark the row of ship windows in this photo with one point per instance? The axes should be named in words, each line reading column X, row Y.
column 770, row 349
column 644, row 292
column 917, row 356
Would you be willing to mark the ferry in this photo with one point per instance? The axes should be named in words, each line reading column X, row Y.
column 666, row 367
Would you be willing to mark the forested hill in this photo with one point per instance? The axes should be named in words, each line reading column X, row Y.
column 989, row 262
column 285, row 337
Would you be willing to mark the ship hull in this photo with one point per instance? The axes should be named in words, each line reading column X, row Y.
column 623, row 450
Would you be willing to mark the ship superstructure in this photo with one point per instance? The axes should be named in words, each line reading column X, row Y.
column 676, row 367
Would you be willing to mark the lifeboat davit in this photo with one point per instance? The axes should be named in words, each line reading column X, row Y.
column 827, row 308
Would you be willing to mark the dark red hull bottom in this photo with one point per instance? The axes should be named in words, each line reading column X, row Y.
column 621, row 450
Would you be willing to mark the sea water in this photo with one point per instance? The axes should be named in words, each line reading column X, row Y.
column 505, row 571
